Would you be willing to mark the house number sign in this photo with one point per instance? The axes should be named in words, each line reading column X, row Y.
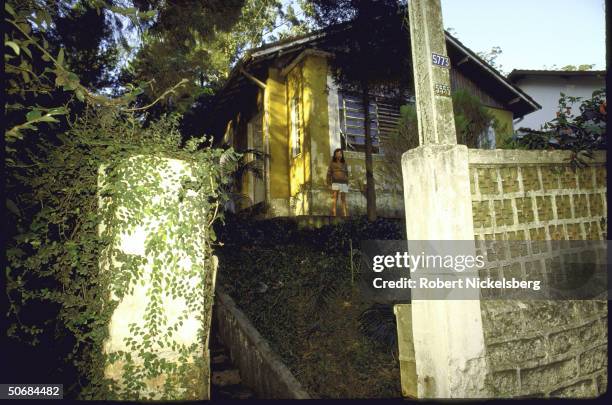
column 440, row 60
column 442, row 90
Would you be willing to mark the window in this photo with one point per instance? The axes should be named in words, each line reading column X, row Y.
column 295, row 127
column 384, row 118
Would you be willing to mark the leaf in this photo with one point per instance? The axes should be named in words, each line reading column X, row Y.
column 58, row 110
column 80, row 95
column 13, row 207
column 60, row 57
column 60, row 80
column 26, row 50
column 25, row 28
column 9, row 9
column 34, row 114
column 47, row 118
column 13, row 45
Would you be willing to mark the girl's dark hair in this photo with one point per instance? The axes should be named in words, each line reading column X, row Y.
column 334, row 155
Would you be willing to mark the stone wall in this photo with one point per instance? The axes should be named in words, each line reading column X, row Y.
column 541, row 348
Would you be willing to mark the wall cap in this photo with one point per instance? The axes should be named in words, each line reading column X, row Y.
column 283, row 376
column 527, row 157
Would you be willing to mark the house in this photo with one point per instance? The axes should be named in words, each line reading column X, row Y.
column 545, row 87
column 282, row 99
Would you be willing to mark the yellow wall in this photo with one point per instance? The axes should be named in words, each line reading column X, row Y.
column 308, row 170
column 316, row 118
column 276, row 105
column 297, row 168
column 504, row 117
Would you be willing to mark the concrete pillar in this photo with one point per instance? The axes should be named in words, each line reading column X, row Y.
column 436, row 121
column 448, row 337
column 162, row 281
column 447, row 342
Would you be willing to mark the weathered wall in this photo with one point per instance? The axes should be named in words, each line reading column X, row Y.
column 261, row 369
column 316, row 138
column 546, row 90
column 504, row 119
column 275, row 105
column 154, row 211
column 299, row 170
column 448, row 339
column 541, row 348
column 389, row 194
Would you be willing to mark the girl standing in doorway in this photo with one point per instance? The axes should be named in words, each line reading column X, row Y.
column 337, row 178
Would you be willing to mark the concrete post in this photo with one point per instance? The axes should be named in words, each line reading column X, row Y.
column 447, row 358
column 431, row 69
column 161, row 227
column 448, row 337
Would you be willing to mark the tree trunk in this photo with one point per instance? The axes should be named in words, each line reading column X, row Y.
column 370, row 190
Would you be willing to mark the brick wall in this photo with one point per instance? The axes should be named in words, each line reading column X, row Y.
column 541, row 348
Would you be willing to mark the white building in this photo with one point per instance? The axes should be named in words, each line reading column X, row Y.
column 545, row 86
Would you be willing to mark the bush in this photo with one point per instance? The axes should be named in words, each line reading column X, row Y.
column 55, row 248
column 471, row 120
column 582, row 133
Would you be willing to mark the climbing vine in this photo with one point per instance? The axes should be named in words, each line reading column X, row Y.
column 107, row 175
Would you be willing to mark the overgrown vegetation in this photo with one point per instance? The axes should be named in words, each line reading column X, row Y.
column 59, row 296
column 472, row 119
column 581, row 133
column 61, row 127
column 296, row 287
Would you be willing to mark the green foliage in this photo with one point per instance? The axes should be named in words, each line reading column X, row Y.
column 471, row 119
column 49, row 69
column 579, row 67
column 491, row 56
column 379, row 324
column 198, row 41
column 571, row 68
column 61, row 259
column 296, row 24
column 581, row 133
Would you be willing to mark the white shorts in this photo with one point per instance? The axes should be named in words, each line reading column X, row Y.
column 341, row 187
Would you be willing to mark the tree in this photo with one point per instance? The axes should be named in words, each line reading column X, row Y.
column 371, row 53
column 199, row 41
column 295, row 22
column 571, row 68
column 471, row 120
column 491, row 56
column 50, row 68
column 58, row 59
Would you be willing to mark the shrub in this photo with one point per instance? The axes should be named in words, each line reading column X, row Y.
column 582, row 133
column 58, row 297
